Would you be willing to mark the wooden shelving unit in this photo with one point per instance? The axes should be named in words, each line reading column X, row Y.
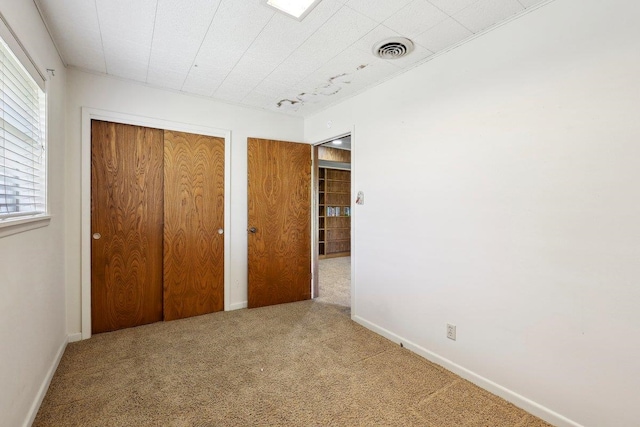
column 334, row 216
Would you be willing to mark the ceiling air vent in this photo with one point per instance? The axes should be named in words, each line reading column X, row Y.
column 393, row 48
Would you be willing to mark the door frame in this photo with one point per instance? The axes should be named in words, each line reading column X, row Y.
column 314, row 218
column 89, row 114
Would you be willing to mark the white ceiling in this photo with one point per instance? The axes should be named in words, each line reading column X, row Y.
column 243, row 52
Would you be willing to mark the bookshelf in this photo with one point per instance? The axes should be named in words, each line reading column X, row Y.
column 334, row 216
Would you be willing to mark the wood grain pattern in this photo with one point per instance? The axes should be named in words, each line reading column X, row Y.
column 126, row 209
column 334, row 154
column 193, row 212
column 318, row 192
column 279, row 202
column 337, row 228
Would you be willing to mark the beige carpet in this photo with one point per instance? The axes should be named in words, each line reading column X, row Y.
column 300, row 364
column 334, row 281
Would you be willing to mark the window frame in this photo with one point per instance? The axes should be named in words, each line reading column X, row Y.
column 18, row 223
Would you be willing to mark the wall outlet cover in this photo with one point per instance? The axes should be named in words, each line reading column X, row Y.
column 451, row 331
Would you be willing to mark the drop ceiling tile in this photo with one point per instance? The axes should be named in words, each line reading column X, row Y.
column 167, row 78
column 354, row 61
column 282, row 35
column 233, row 30
column 271, row 88
column 260, row 100
column 372, row 73
column 318, row 16
column 220, row 57
column 128, row 68
column 443, row 35
column 343, row 29
column 285, row 99
column 204, row 80
column 350, row 71
column 451, row 6
column 265, row 51
column 378, row 10
column 183, row 24
column 417, row 17
column 83, row 51
column 486, row 13
column 257, row 67
column 164, row 63
column 200, row 86
column 289, row 73
column 74, row 25
column 347, row 73
column 343, row 68
column 179, row 30
column 236, row 86
column 127, row 39
column 529, row 3
column 381, row 32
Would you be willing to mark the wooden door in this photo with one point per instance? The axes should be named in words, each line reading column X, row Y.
column 193, row 225
column 279, row 219
column 126, row 223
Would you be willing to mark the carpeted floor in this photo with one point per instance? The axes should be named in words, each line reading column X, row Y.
column 300, row 364
column 334, row 281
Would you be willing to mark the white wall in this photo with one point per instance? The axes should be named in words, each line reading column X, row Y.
column 502, row 185
column 96, row 91
column 32, row 306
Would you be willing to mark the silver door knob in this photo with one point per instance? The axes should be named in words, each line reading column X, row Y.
column 220, row 231
column 96, row 236
column 253, row 230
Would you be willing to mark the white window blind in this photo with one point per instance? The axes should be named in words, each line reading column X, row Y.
column 22, row 139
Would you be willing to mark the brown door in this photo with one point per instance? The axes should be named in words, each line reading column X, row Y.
column 193, row 225
column 126, row 223
column 279, row 191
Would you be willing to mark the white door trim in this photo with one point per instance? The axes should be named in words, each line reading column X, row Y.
column 89, row 114
column 314, row 219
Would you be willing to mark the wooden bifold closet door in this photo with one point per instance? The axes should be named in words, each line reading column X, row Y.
column 126, row 225
column 157, row 217
column 193, row 224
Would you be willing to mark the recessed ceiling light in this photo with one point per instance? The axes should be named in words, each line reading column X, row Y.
column 337, row 142
column 297, row 9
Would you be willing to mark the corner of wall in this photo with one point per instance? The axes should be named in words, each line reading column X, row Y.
column 42, row 391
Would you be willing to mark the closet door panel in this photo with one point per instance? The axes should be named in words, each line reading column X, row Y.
column 193, row 224
column 126, row 224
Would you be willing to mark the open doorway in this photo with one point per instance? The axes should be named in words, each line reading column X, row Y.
column 333, row 222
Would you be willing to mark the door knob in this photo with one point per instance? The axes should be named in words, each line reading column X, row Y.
column 96, row 236
column 253, row 230
column 220, row 231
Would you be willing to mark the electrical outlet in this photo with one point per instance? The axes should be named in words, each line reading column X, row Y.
column 451, row 331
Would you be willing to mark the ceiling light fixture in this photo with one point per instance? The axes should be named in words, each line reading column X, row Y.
column 337, row 142
column 297, row 9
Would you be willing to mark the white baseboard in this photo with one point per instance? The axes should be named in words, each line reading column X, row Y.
column 509, row 395
column 35, row 406
column 238, row 305
column 74, row 337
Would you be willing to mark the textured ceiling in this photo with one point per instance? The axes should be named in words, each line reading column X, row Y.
column 243, row 52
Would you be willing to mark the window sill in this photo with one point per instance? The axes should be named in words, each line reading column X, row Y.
column 11, row 226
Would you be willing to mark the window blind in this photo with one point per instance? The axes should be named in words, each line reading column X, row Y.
column 22, row 139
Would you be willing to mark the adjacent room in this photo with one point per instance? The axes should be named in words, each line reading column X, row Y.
column 334, row 220
column 351, row 212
